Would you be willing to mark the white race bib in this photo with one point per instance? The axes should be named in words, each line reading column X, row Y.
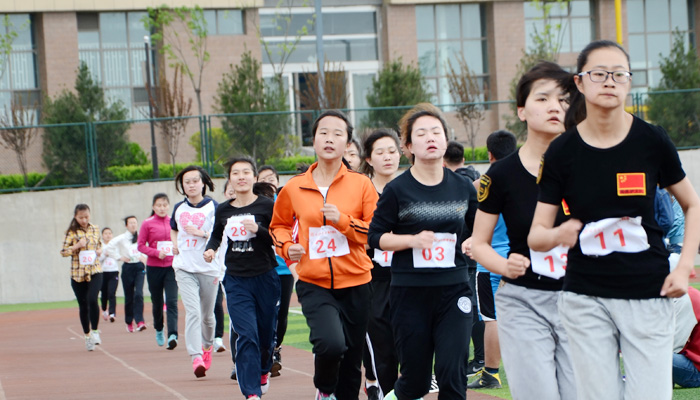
column 109, row 264
column 87, row 257
column 235, row 230
column 550, row 263
column 166, row 247
column 624, row 235
column 190, row 243
column 440, row 255
column 134, row 253
column 327, row 241
column 383, row 257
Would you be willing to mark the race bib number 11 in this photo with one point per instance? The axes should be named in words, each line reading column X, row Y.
column 624, row 235
column 440, row 255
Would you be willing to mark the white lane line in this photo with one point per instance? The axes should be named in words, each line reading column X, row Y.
column 2, row 392
column 298, row 372
column 129, row 367
column 293, row 311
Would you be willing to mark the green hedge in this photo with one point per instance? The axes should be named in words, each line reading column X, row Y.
column 16, row 181
column 481, row 154
column 290, row 163
column 128, row 173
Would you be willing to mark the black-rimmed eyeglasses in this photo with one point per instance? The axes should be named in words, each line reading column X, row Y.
column 601, row 75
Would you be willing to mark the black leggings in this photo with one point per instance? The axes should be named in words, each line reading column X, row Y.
column 219, row 313
column 287, row 286
column 110, row 281
column 86, row 294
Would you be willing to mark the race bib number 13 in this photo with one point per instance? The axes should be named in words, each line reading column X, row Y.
column 624, row 235
column 327, row 241
column 440, row 255
column 383, row 257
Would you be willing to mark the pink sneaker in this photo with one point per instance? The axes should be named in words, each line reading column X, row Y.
column 141, row 326
column 206, row 357
column 198, row 366
column 264, row 383
column 130, row 327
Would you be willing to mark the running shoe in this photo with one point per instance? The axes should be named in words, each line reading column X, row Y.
column 233, row 373
column 219, row 345
column 486, row 380
column 434, row 388
column 105, row 315
column 206, row 357
column 373, row 392
column 111, row 318
column 141, row 326
column 96, row 337
column 89, row 345
column 391, row 395
column 253, row 397
column 172, row 341
column 276, row 362
column 130, row 327
column 265, row 383
column 474, row 366
column 198, row 366
column 160, row 338
column 323, row 396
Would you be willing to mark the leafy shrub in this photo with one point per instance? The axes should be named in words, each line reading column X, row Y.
column 288, row 164
column 16, row 181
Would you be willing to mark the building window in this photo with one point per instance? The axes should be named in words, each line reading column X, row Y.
column 349, row 34
column 18, row 74
column 112, row 46
column 445, row 32
column 651, row 24
column 570, row 23
column 224, row 22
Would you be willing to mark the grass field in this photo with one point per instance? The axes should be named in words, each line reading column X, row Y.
column 298, row 336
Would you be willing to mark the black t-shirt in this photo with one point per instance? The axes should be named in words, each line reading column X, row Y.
column 508, row 188
column 409, row 207
column 251, row 257
column 616, row 182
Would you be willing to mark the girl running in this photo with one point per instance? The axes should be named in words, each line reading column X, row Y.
column 423, row 216
column 333, row 206
column 110, row 278
column 82, row 244
column 197, row 280
column 529, row 328
column 606, row 168
column 125, row 248
column 251, row 283
column 155, row 242
column 381, row 154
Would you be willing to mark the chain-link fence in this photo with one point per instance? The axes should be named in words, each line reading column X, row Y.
column 41, row 157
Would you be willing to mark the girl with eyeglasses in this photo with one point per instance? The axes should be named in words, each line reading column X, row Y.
column 617, row 287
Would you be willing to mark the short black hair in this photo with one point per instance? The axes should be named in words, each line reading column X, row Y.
column 501, row 143
column 454, row 154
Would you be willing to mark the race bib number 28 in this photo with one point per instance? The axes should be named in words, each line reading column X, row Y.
column 440, row 255
column 624, row 235
column 236, row 231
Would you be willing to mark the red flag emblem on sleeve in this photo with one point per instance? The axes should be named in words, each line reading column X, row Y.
column 631, row 184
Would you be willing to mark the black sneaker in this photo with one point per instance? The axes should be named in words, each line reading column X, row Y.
column 276, row 362
column 433, row 385
column 486, row 381
column 233, row 373
column 372, row 392
column 474, row 367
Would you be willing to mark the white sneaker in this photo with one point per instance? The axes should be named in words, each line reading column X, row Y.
column 89, row 345
column 219, row 345
column 96, row 337
column 105, row 315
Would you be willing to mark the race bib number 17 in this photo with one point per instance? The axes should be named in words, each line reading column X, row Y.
column 440, row 255
column 624, row 235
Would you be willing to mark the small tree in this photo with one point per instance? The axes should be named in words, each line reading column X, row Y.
column 546, row 46
column 466, row 90
column 242, row 90
column 678, row 113
column 333, row 84
column 18, row 131
column 65, row 154
column 396, row 85
column 170, row 103
column 177, row 31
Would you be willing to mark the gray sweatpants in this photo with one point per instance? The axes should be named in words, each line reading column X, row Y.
column 534, row 345
column 600, row 328
column 198, row 293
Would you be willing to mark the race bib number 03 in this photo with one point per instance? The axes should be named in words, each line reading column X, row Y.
column 235, row 230
column 327, row 241
column 383, row 257
column 166, row 247
column 87, row 257
column 624, row 235
column 551, row 263
column 440, row 255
